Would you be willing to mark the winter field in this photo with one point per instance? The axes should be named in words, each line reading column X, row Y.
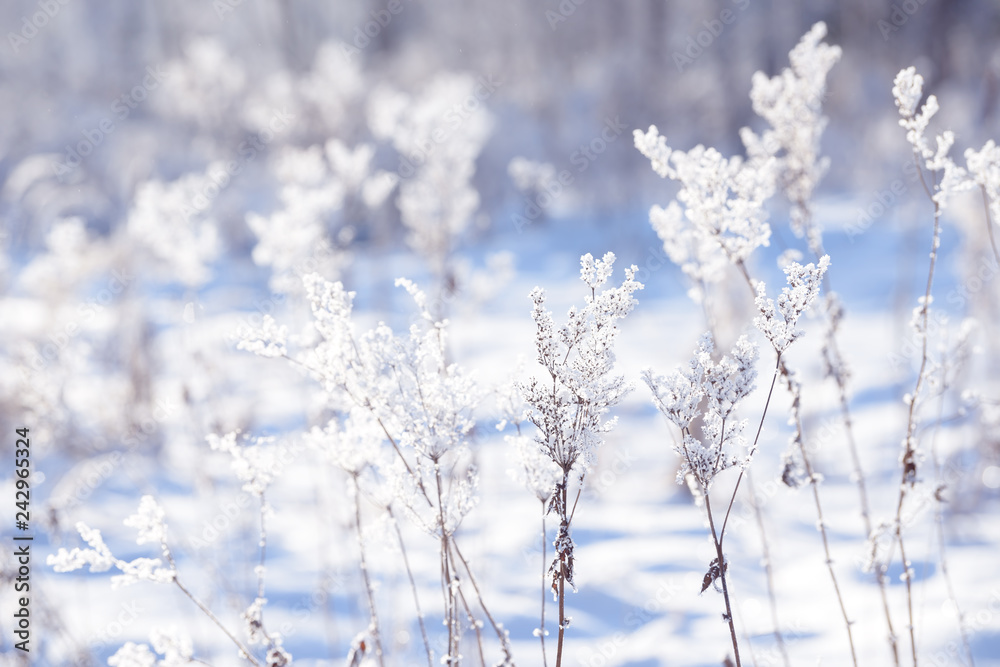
column 398, row 334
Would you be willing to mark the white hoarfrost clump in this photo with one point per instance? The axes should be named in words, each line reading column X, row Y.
column 569, row 406
column 804, row 284
column 148, row 520
column 907, row 91
column 718, row 216
column 172, row 223
column 715, row 390
column 256, row 462
column 175, row 649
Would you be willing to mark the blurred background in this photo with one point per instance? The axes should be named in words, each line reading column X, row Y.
column 565, row 69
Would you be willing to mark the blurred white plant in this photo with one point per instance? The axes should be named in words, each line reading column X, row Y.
column 172, row 223
column 714, row 390
column 984, row 169
column 256, row 462
column 206, row 85
column 718, row 216
column 175, row 649
column 148, row 521
column 438, row 137
column 536, row 471
column 792, row 104
column 324, row 191
column 422, row 406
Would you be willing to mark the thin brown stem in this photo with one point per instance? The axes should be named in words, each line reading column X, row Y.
column 562, row 576
column 369, row 589
column 721, row 560
column 753, row 448
column 541, row 630
column 497, row 628
column 989, row 224
column 208, row 612
column 413, row 588
column 909, row 463
column 768, row 570
column 820, row 519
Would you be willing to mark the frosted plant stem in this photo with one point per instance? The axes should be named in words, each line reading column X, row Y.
column 939, row 524
column 376, row 634
column 989, row 224
column 909, row 464
column 820, row 520
column 451, row 613
column 760, row 426
column 541, row 634
column 723, row 566
column 866, row 514
column 501, row 634
column 413, row 588
column 834, row 369
column 768, row 570
column 809, row 471
column 263, row 548
column 474, row 624
column 208, row 612
column 562, row 576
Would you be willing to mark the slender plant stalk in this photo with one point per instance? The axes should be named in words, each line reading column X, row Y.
column 473, row 624
column 718, row 537
column 760, row 427
column 989, row 223
column 448, row 589
column 939, row 524
column 564, row 524
column 541, row 630
column 834, row 362
column 814, row 485
column 369, row 590
column 909, row 462
column 208, row 612
column 723, row 566
column 768, row 570
column 413, row 588
column 768, row 567
column 501, row 634
column 877, row 567
column 809, row 471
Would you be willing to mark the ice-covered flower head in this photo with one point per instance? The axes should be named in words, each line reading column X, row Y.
column 718, row 216
column 804, row 283
column 569, row 407
column 717, row 388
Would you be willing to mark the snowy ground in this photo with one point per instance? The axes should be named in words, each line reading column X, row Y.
column 643, row 544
